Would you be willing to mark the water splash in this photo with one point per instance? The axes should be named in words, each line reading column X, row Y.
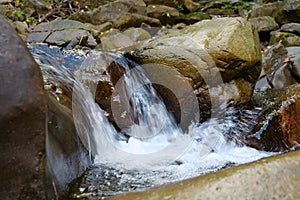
column 208, row 150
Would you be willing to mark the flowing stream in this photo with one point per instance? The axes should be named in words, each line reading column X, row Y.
column 153, row 150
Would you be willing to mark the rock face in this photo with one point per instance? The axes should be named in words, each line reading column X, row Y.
column 270, row 178
column 206, row 56
column 278, row 126
column 63, row 33
column 22, row 120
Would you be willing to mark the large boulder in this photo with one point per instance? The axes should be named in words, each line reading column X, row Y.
column 22, row 120
column 275, row 177
column 221, row 54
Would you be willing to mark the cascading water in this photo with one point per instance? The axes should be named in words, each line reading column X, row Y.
column 146, row 157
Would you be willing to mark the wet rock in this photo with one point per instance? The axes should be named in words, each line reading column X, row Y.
column 64, row 162
column 67, row 157
column 264, row 23
column 268, row 9
column 63, row 32
column 275, row 177
column 194, row 50
column 287, row 39
column 289, row 12
column 278, row 126
column 22, row 120
column 166, row 15
column 121, row 13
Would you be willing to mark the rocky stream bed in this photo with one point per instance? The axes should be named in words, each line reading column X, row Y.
column 236, row 62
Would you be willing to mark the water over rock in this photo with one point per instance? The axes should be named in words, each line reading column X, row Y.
column 208, row 54
column 22, row 120
column 278, row 125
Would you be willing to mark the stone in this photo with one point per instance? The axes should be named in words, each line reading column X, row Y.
column 274, row 177
column 170, row 3
column 294, row 54
column 166, row 14
column 264, row 23
column 278, row 125
column 288, row 12
column 74, row 157
column 276, row 73
column 194, row 51
column 268, row 9
column 287, row 39
column 121, row 13
column 63, row 32
column 137, row 34
column 22, row 120
column 193, row 17
column 291, row 28
column 191, row 5
column 114, row 40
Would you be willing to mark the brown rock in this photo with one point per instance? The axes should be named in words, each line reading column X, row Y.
column 278, row 127
column 22, row 120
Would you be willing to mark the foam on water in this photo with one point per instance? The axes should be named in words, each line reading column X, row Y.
column 150, row 158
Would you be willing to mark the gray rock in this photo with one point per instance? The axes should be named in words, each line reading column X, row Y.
column 294, row 54
column 64, row 37
column 291, row 28
column 264, row 23
column 277, row 73
column 63, row 32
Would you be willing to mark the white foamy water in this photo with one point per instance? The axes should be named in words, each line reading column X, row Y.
column 157, row 148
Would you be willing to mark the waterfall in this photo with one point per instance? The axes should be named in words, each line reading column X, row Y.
column 153, row 149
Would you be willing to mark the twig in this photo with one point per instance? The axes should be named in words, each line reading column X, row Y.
column 55, row 191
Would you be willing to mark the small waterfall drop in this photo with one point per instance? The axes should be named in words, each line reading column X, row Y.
column 157, row 151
